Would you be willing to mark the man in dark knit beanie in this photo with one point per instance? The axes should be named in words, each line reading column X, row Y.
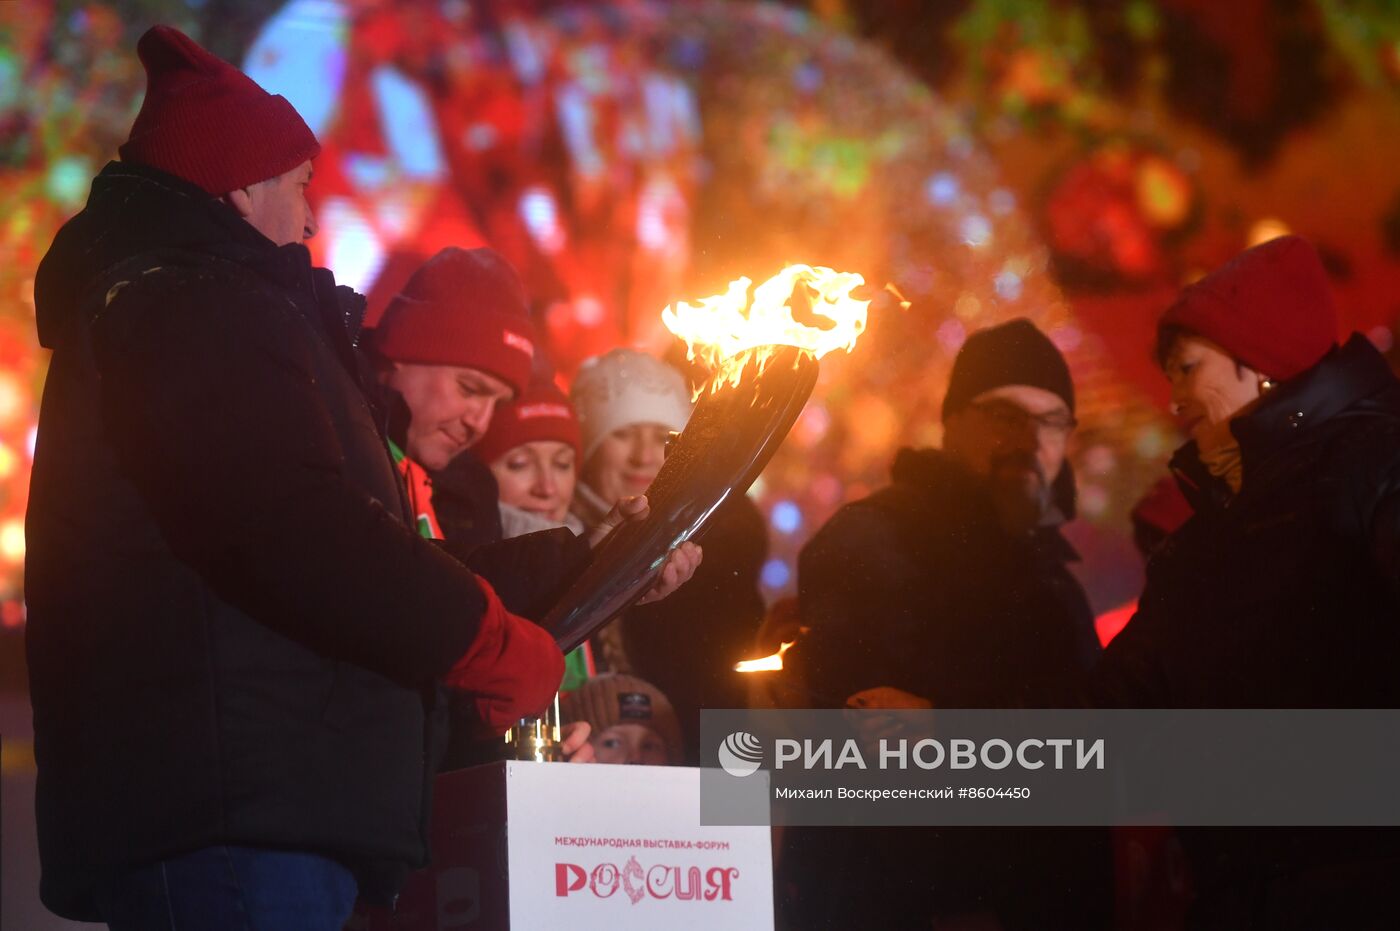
column 237, row 643
column 950, row 588
column 1007, row 413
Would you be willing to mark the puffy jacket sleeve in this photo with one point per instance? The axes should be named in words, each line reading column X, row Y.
column 878, row 614
column 854, row 595
column 512, row 669
column 1384, row 531
column 530, row 571
column 211, row 400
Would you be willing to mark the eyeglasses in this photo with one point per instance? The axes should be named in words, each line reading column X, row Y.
column 1014, row 419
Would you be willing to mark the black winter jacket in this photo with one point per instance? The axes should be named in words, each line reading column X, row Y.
column 1286, row 595
column 467, row 501
column 687, row 645
column 233, row 634
column 918, row 587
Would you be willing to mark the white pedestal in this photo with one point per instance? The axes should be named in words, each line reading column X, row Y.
column 554, row 845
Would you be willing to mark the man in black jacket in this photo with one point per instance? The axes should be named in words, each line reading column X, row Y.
column 951, row 586
column 235, row 639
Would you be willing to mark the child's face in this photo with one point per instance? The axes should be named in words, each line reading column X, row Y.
column 630, row 743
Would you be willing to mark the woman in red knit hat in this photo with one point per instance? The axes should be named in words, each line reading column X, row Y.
column 1282, row 589
column 532, row 450
column 1264, row 318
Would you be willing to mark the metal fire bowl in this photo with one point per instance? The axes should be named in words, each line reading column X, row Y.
column 732, row 434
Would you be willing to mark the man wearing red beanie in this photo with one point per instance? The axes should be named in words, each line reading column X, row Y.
column 236, row 641
column 454, row 343
column 451, row 350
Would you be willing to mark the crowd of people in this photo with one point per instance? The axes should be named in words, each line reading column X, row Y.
column 1271, row 583
column 268, row 545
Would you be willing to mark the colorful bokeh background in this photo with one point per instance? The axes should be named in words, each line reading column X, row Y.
column 1075, row 162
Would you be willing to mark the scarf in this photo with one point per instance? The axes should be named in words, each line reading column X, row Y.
column 1220, row 454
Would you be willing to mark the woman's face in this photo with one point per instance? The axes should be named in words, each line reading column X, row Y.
column 1208, row 386
column 627, row 460
column 538, row 477
column 631, row 743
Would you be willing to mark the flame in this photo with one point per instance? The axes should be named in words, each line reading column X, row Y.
column 725, row 332
column 772, row 663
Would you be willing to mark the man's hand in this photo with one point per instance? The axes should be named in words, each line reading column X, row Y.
column 573, row 741
column 679, row 566
column 885, row 697
column 872, row 728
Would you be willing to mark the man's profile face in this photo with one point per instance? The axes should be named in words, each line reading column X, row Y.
column 278, row 207
column 1015, row 437
column 450, row 407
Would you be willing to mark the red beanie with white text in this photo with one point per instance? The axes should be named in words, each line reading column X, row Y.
column 464, row 307
column 541, row 413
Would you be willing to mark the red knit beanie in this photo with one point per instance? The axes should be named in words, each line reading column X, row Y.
column 464, row 307
column 207, row 122
column 541, row 413
column 1270, row 307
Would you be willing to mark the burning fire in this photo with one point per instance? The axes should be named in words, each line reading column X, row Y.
column 726, row 332
column 772, row 663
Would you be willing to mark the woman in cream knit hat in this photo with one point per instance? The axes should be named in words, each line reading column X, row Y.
column 628, row 404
